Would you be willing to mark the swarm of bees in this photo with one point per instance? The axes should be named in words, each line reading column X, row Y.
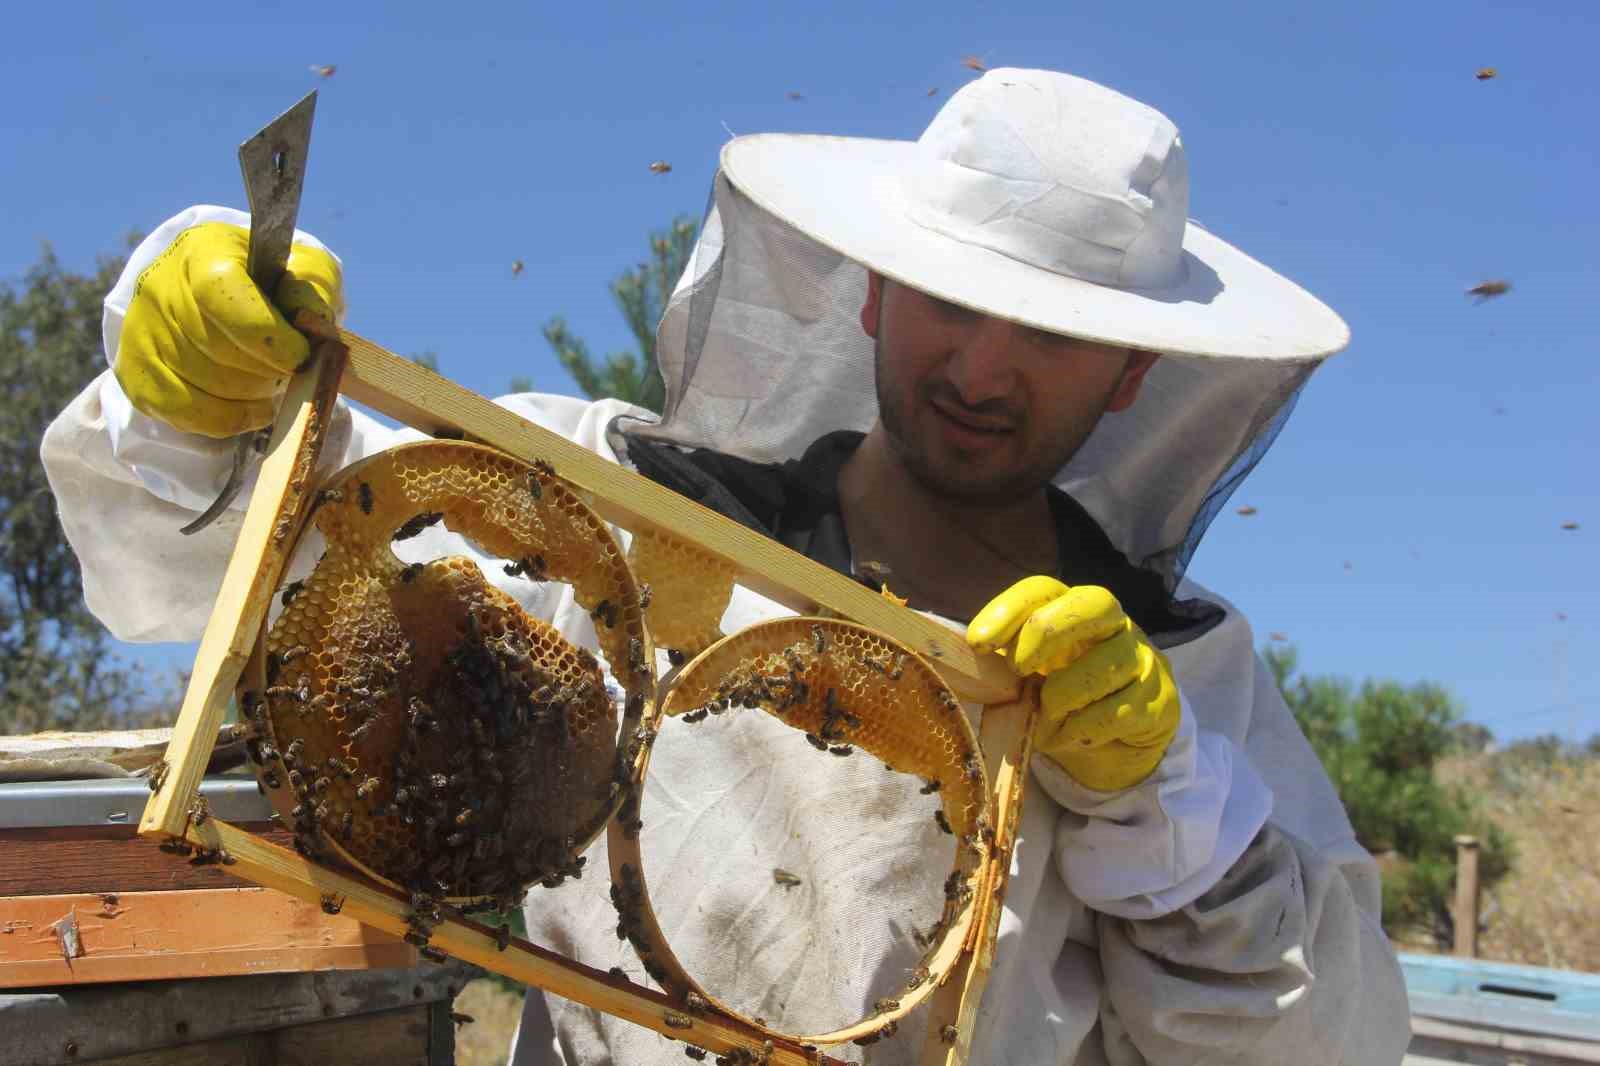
column 437, row 737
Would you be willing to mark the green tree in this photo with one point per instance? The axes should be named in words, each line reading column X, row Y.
column 641, row 294
column 55, row 668
column 1379, row 742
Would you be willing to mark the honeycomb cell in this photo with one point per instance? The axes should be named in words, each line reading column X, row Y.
column 433, row 733
column 689, row 591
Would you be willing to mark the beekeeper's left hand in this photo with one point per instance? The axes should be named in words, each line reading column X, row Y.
column 1109, row 704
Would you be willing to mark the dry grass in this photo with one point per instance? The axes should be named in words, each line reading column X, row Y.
column 486, row 1040
column 1546, row 912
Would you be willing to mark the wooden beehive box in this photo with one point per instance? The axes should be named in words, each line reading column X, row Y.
column 85, row 900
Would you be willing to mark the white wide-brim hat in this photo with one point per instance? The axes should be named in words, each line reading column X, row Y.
column 1047, row 200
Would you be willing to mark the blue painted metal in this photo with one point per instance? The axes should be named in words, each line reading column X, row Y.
column 1501, row 995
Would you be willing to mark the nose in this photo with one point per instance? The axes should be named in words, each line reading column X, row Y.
column 982, row 365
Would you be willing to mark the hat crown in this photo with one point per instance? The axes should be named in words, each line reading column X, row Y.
column 1057, row 172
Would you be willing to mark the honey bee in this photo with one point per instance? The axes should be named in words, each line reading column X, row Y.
column 644, row 595
column 868, row 1040
column 840, row 750
column 290, row 590
column 970, row 768
column 329, row 496
column 948, row 1033
column 918, row 977
column 433, row 955
column 819, row 639
column 816, row 742
column 697, row 716
column 347, row 826
column 784, row 877
column 320, row 785
column 695, row 1003
column 364, row 497
column 886, row 1005
column 199, row 811
column 606, row 612
column 660, row 166
column 411, row 571
column 331, row 904
column 275, row 820
column 544, row 467
column 676, row 1020
column 943, row 822
column 502, row 938
column 931, row 787
column 698, row 1054
column 414, row 525
column 158, row 775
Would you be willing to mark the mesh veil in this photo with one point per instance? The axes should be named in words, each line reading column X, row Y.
column 761, row 352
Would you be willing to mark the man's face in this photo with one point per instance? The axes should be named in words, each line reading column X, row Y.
column 982, row 410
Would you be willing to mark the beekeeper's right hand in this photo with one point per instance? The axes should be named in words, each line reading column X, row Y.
column 201, row 348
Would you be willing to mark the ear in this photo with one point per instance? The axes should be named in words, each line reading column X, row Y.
column 874, row 301
column 1127, row 390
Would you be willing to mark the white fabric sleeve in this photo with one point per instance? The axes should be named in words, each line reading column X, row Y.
column 1148, row 850
column 182, row 468
column 1278, row 962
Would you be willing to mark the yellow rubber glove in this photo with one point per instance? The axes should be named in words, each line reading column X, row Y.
column 201, row 348
column 1109, row 706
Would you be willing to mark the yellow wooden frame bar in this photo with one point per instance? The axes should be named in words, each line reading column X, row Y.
column 368, row 374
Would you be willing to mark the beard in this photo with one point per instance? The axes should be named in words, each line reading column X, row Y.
column 945, row 473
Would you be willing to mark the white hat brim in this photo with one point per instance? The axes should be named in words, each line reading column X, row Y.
column 846, row 193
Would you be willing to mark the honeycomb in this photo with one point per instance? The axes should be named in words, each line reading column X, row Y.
column 431, row 732
column 846, row 687
column 689, row 591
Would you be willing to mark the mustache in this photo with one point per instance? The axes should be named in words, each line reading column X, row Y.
column 991, row 411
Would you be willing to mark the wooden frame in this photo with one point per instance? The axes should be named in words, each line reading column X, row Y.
column 344, row 362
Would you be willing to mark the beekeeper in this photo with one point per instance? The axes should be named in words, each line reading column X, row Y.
column 999, row 362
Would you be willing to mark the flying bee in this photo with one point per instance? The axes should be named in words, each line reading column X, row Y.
column 414, row 525
column 290, row 591
column 1485, row 73
column 409, row 574
column 944, row 823
column 784, row 878
column 364, row 497
column 661, row 166
column 331, row 904
column 1488, row 290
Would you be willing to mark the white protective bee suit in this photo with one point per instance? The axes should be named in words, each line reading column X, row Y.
column 1220, row 911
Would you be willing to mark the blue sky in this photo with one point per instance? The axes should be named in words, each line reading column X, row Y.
column 1409, row 517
